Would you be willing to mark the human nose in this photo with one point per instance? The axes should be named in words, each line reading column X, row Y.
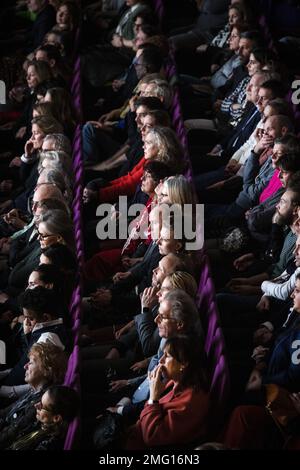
column 295, row 251
column 162, row 360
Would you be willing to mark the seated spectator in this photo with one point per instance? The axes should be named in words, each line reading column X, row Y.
column 58, row 142
column 64, row 259
column 180, row 415
column 60, row 256
column 67, row 17
column 177, row 305
column 212, row 16
column 62, row 106
column 59, row 405
column 250, row 427
column 56, row 160
column 107, row 262
column 46, row 276
column 42, row 323
column 160, row 144
column 61, row 41
column 47, row 365
column 57, row 177
column 51, row 55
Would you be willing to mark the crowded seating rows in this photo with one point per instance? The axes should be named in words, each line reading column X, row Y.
column 220, row 364
column 172, row 231
column 51, row 301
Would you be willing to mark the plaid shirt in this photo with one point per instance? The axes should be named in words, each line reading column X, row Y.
column 238, row 96
column 220, row 40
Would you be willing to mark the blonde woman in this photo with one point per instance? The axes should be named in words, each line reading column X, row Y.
column 178, row 280
column 42, row 109
column 160, row 144
column 176, row 190
column 41, row 126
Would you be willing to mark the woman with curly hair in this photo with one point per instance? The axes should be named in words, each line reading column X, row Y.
column 46, row 366
column 160, row 144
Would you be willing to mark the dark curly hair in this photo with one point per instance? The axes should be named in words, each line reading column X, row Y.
column 40, row 301
column 49, row 274
column 53, row 361
column 64, row 401
column 61, row 256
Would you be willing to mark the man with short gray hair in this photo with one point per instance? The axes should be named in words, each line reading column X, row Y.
column 177, row 314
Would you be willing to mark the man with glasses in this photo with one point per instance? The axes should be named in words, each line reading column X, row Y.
column 24, row 253
column 177, row 314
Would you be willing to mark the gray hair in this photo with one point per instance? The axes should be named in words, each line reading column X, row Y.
column 60, row 142
column 59, row 159
column 60, row 179
column 170, row 150
column 162, row 90
column 53, row 204
column 58, row 222
column 180, row 190
column 184, row 310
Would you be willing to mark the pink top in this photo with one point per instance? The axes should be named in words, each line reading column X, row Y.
column 273, row 186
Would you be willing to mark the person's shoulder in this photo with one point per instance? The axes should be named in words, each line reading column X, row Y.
column 51, row 443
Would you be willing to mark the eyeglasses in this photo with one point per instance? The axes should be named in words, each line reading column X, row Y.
column 31, row 285
column 138, row 64
column 39, row 406
column 163, row 289
column 43, row 237
column 162, row 317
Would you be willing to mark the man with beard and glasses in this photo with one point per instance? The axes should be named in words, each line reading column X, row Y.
column 243, row 306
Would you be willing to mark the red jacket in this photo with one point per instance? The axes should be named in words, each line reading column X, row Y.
column 179, row 418
column 123, row 186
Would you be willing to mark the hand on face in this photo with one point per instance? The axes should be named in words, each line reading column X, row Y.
column 156, row 383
